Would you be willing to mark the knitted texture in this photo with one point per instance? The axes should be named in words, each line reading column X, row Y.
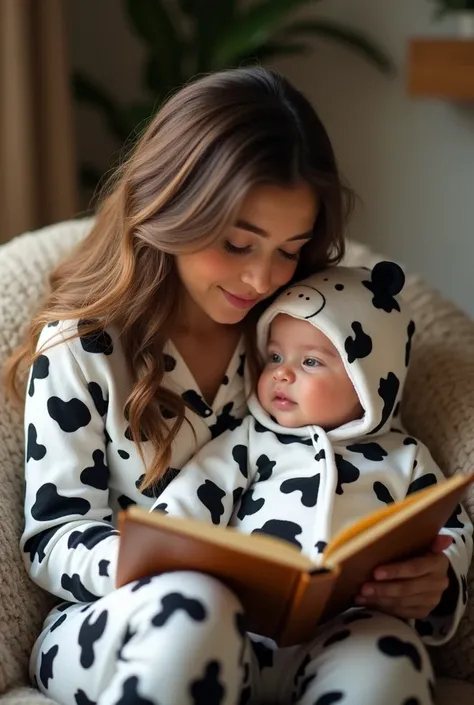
column 438, row 408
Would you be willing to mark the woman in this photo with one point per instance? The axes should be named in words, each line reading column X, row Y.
column 232, row 192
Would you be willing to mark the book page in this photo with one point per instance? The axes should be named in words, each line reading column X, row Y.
column 266, row 547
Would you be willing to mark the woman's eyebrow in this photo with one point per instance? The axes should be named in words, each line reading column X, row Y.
column 250, row 227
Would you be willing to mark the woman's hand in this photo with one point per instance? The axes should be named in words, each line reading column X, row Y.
column 409, row 589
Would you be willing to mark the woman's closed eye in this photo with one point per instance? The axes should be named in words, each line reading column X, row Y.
column 235, row 250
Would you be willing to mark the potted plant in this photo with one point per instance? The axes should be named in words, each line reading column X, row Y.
column 463, row 9
column 187, row 37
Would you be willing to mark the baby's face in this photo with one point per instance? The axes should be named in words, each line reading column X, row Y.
column 304, row 381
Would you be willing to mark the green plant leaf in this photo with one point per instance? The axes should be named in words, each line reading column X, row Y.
column 272, row 50
column 86, row 91
column 153, row 23
column 352, row 38
column 252, row 29
column 210, row 18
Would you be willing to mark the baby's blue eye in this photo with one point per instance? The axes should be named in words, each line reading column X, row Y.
column 310, row 362
column 275, row 357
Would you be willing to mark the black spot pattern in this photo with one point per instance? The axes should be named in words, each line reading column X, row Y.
column 211, row 495
column 131, row 696
column 81, row 698
column 410, row 334
column 169, row 362
column 285, row 530
column 177, row 602
column 387, row 280
column 284, row 438
column 453, row 521
column 360, row 345
column 383, row 493
column 321, row 455
column 241, row 367
column 249, row 505
column 98, row 342
column 195, row 402
column 409, row 441
column 123, row 454
column 34, row 450
column 208, row 690
column 73, row 584
column 308, row 486
column 424, row 628
column 69, row 415
column 58, row 622
column 263, row 653
column 104, row 568
column 90, row 537
column 334, row 696
column 346, row 472
column 337, row 637
column 388, row 390
column 240, row 454
column 46, row 667
column 143, row 436
column 125, row 501
column 396, row 648
column 39, row 370
column 100, row 402
column 225, row 381
column 163, row 507
column 464, row 589
column 36, row 544
column 49, row 504
column 370, row 451
column 236, row 495
column 264, row 467
column 450, row 597
column 97, row 475
column 422, row 482
column 129, row 634
column 141, row 583
column 225, row 421
column 89, row 633
column 320, row 546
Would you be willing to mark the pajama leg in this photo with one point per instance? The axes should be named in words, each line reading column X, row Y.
column 174, row 639
column 362, row 657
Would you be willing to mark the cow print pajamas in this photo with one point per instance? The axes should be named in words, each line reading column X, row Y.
column 179, row 638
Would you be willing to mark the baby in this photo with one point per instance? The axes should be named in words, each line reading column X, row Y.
column 320, row 447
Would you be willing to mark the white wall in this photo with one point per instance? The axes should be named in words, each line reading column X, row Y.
column 411, row 162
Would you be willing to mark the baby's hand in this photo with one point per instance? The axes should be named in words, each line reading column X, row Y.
column 410, row 589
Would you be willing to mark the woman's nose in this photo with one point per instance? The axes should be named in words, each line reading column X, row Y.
column 259, row 277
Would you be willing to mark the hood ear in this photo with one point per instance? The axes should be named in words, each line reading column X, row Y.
column 388, row 276
column 387, row 280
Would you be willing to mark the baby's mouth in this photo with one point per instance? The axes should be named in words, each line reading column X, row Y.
column 282, row 401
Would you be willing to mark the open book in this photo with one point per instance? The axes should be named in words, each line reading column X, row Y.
column 284, row 593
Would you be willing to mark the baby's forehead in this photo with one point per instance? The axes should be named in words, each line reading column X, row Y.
column 295, row 332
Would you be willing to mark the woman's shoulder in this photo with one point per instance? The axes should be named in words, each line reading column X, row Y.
column 80, row 336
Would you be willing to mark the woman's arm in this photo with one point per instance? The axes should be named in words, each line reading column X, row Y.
column 210, row 484
column 69, row 545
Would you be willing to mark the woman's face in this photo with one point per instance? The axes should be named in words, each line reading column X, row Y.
column 255, row 257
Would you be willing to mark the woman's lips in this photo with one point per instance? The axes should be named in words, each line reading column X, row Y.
column 238, row 301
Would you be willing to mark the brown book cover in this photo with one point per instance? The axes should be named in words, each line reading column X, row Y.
column 284, row 594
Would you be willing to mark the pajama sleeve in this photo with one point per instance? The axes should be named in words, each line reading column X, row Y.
column 208, row 486
column 69, row 544
column 441, row 624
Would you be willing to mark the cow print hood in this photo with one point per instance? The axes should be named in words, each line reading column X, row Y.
column 362, row 313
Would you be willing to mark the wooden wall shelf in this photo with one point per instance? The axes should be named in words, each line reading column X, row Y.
column 441, row 68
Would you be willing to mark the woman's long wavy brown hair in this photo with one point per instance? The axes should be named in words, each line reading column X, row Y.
column 178, row 191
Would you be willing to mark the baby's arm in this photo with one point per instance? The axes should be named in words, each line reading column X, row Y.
column 210, row 484
column 442, row 622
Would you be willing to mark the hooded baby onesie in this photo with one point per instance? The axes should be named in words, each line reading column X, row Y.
column 305, row 484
